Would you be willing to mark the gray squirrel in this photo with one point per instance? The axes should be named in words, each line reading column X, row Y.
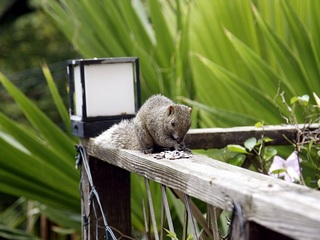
column 160, row 124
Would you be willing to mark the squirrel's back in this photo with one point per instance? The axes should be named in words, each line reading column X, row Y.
column 120, row 135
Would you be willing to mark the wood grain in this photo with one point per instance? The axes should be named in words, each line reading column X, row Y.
column 206, row 138
column 290, row 209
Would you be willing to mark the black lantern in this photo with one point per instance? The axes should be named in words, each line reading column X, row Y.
column 103, row 91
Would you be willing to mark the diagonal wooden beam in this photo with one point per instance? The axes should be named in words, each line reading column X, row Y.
column 289, row 209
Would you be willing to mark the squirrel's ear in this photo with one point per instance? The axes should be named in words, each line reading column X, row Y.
column 170, row 110
column 190, row 109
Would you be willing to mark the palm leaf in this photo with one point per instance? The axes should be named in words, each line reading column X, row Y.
column 37, row 162
column 57, row 98
column 266, row 77
column 54, row 136
column 304, row 44
column 52, row 160
column 9, row 233
column 290, row 64
column 251, row 96
column 223, row 117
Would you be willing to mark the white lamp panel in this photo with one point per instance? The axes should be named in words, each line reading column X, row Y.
column 78, row 91
column 109, row 89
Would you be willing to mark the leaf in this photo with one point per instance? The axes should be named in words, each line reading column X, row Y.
column 317, row 99
column 29, row 142
column 259, row 68
column 292, row 66
column 269, row 153
column 9, row 233
column 240, row 89
column 34, row 171
column 57, row 98
column 237, row 149
column 304, row 44
column 163, row 37
column 278, row 171
column 12, row 216
column 250, row 143
column 259, row 124
column 310, row 145
column 238, row 160
column 171, row 234
column 190, row 237
column 48, row 130
column 267, row 139
column 293, row 100
column 304, row 100
column 26, row 175
column 37, row 162
column 63, row 217
column 220, row 116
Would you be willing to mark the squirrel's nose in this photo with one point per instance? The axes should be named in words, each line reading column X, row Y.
column 175, row 136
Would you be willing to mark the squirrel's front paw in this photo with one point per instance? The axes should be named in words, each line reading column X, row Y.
column 182, row 147
column 148, row 151
column 187, row 150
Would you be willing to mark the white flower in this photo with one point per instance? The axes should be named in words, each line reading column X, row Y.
column 317, row 99
column 288, row 169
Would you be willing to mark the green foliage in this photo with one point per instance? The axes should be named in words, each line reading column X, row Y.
column 251, row 51
column 237, row 149
column 24, row 44
column 171, row 235
column 307, row 143
column 57, row 99
column 33, row 38
column 155, row 32
column 254, row 151
column 230, row 56
column 174, row 236
column 38, row 162
column 14, row 216
column 7, row 233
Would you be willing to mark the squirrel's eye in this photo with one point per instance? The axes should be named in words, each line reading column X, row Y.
column 173, row 123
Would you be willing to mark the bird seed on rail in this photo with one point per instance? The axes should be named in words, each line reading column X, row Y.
column 172, row 155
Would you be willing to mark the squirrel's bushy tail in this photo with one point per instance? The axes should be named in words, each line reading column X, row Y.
column 121, row 135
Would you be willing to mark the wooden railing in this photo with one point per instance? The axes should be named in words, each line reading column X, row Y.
column 271, row 208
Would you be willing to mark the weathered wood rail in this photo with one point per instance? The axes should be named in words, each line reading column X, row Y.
column 289, row 209
column 206, row 138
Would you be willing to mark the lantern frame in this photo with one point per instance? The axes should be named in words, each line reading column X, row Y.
column 84, row 125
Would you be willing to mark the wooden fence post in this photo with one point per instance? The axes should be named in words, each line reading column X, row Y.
column 256, row 231
column 113, row 186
